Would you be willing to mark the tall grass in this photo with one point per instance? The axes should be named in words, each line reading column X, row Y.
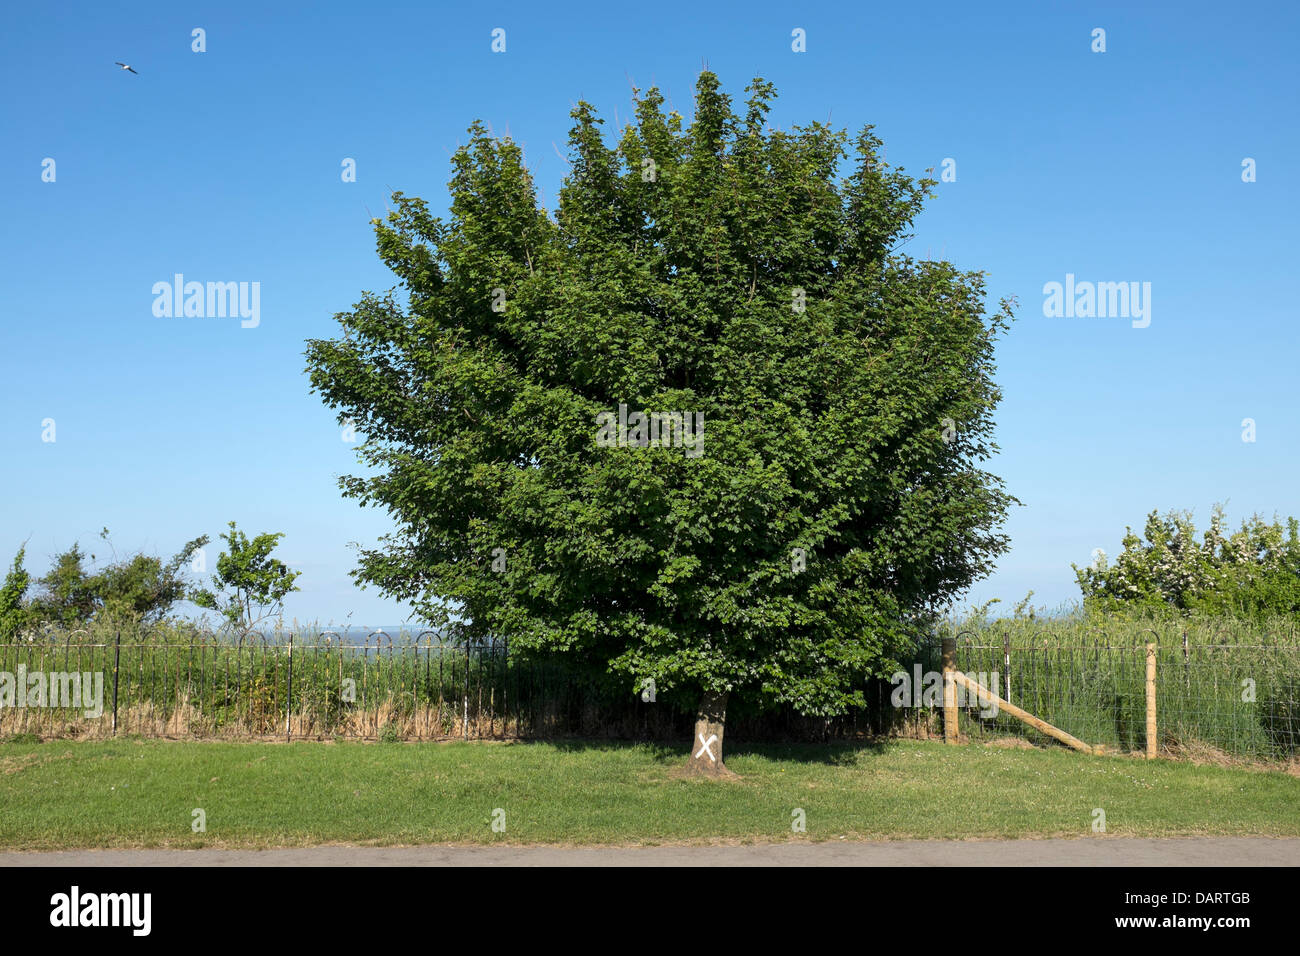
column 1231, row 685
column 1224, row 684
column 183, row 681
column 174, row 681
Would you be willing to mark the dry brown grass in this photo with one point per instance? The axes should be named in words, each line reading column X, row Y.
column 1200, row 753
column 447, row 721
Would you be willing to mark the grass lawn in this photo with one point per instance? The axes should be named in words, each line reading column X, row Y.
column 141, row 793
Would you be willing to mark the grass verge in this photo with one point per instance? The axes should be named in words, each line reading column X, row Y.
column 142, row 793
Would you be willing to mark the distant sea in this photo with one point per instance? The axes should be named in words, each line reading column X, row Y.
column 352, row 634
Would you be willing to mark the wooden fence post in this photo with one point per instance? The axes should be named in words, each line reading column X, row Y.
column 949, row 647
column 1006, row 663
column 1151, row 700
column 117, row 663
column 288, row 707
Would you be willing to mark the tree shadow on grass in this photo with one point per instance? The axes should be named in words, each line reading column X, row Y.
column 659, row 749
column 833, row 753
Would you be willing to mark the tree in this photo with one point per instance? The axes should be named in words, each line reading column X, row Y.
column 14, row 614
column 67, row 594
column 824, row 402
column 251, row 585
column 143, row 588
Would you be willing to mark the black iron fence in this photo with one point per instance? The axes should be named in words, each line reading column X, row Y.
column 410, row 688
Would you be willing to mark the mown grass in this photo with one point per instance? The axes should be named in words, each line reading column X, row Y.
column 141, row 793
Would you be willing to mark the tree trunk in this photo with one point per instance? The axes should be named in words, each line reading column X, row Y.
column 706, row 749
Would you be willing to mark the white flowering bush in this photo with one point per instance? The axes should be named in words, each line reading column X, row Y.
column 1253, row 572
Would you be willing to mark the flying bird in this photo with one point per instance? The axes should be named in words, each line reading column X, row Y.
column 124, row 66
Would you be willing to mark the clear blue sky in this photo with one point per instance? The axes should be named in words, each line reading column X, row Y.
column 225, row 166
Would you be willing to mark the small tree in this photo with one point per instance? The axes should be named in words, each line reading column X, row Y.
column 67, row 594
column 143, row 588
column 250, row 584
column 14, row 613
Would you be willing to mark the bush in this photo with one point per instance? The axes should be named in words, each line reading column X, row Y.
column 140, row 588
column 1253, row 573
column 13, row 612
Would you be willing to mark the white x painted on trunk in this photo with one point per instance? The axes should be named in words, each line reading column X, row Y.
column 707, row 747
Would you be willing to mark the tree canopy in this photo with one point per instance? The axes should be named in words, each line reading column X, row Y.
column 721, row 275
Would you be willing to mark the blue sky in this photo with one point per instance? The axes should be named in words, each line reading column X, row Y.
column 225, row 166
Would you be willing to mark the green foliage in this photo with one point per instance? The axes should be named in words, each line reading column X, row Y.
column 143, row 587
column 1023, row 608
column 250, row 584
column 140, row 587
column 1280, row 713
column 720, row 269
column 14, row 614
column 1253, row 573
column 67, row 594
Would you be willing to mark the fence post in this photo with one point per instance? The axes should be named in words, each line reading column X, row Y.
column 949, row 647
column 288, row 706
column 117, row 660
column 1187, row 664
column 1151, row 700
column 1006, row 662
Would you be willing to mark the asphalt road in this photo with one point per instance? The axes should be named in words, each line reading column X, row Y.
column 1097, row 851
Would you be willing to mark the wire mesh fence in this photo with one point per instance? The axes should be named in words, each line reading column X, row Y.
column 1237, row 697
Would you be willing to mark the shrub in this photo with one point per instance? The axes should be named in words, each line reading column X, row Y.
column 1253, row 573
